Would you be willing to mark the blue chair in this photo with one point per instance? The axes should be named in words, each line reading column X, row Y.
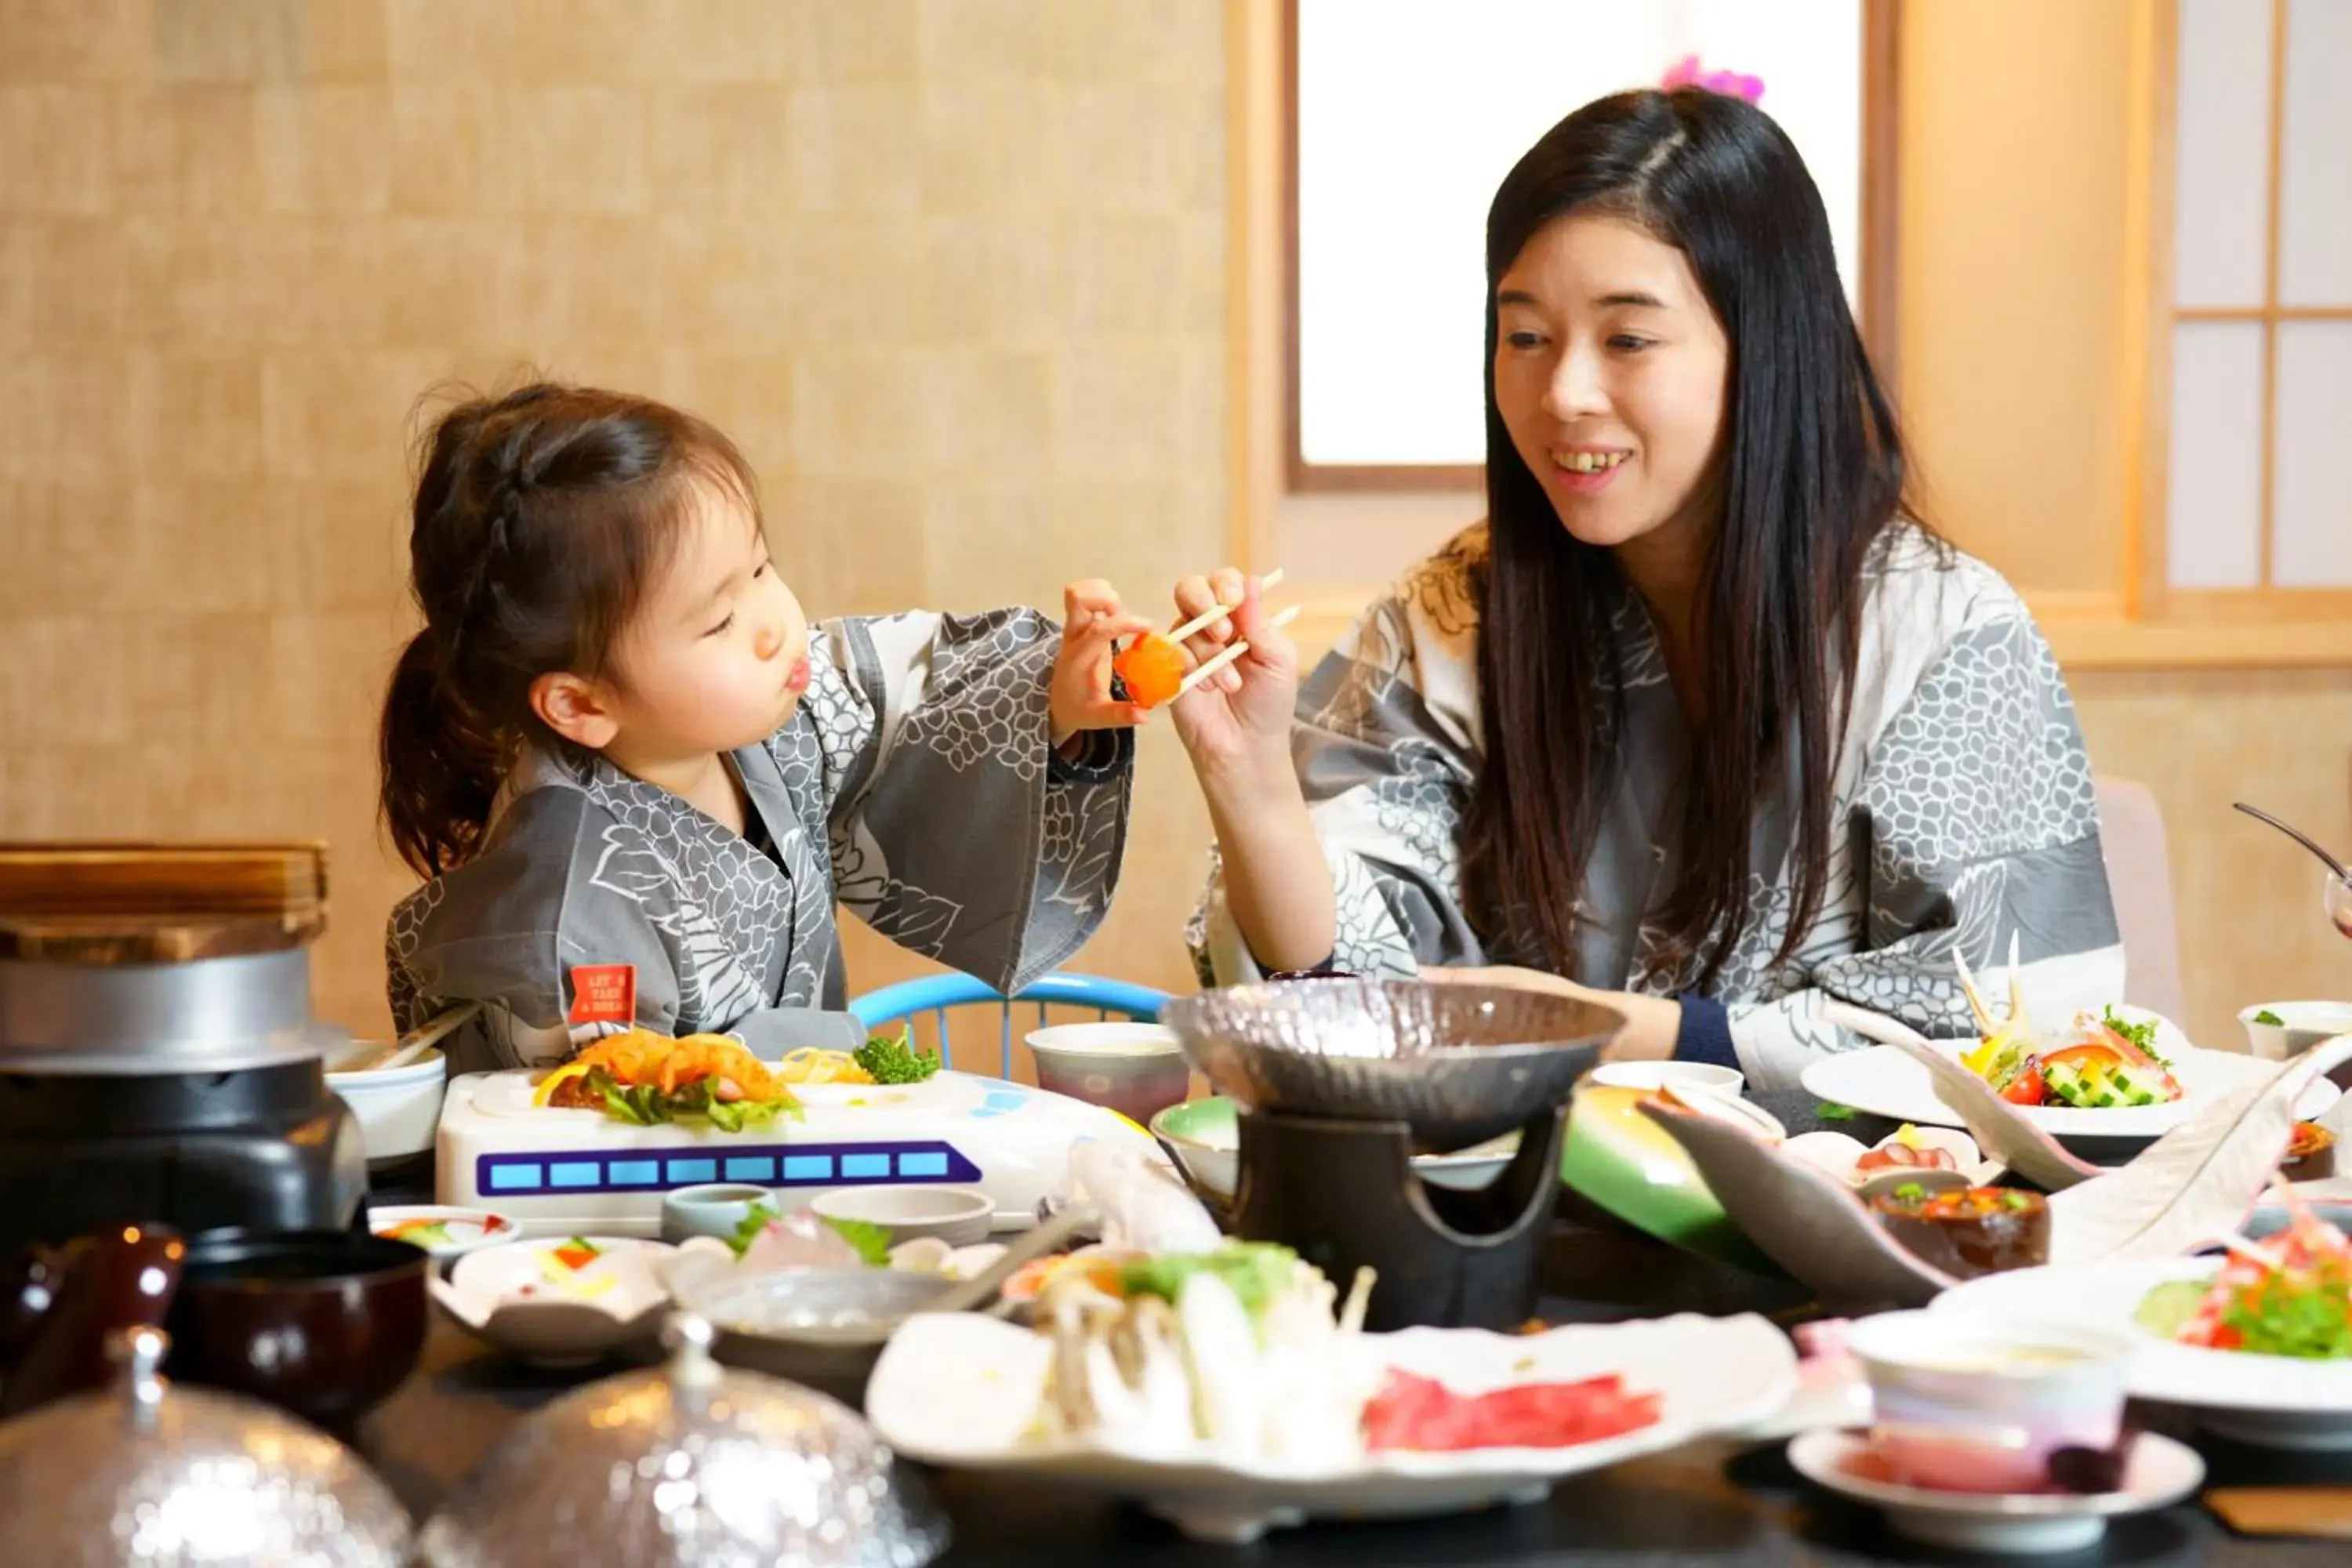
column 935, row 994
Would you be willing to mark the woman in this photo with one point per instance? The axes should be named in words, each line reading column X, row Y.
column 1697, row 721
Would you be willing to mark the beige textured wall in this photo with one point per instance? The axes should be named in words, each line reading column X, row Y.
column 952, row 271
column 2252, row 928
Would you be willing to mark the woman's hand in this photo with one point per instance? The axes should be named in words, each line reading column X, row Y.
column 1079, row 695
column 1239, row 719
column 1652, row 1023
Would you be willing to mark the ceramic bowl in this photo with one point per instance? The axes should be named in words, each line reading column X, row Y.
column 1204, row 1137
column 823, row 1328
column 1840, row 1156
column 1135, row 1069
column 398, row 1112
column 960, row 1217
column 1704, row 1076
column 714, row 1208
column 1975, row 1402
column 442, row 1230
column 548, row 1305
column 2269, row 1219
column 2300, row 1026
column 323, row 1323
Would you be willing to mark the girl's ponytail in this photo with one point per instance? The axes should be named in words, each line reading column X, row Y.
column 442, row 769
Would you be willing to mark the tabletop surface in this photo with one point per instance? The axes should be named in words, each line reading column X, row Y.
column 1708, row 1502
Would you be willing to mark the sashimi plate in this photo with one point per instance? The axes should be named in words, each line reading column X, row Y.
column 962, row 1391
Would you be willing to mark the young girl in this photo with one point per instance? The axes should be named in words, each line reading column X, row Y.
column 637, row 780
column 1697, row 720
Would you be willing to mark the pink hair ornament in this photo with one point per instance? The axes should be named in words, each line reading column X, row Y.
column 1688, row 72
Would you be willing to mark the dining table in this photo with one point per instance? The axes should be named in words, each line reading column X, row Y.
column 1713, row 1501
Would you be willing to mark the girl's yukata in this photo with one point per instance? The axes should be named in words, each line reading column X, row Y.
column 917, row 783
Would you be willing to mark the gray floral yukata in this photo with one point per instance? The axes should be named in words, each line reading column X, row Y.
column 1963, row 802
column 916, row 784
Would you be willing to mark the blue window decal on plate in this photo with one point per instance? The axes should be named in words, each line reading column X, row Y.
column 573, row 1172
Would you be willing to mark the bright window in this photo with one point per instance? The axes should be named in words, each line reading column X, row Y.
column 2259, row 320
column 1406, row 116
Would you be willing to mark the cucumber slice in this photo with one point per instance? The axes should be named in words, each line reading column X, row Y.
column 2135, row 1086
column 2083, row 1087
column 2102, row 1086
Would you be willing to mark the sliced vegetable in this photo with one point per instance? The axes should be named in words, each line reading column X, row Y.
column 576, row 1254
column 1252, row 1270
column 2028, row 1087
column 2089, row 1053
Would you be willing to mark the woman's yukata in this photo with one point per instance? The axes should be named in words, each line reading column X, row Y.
column 1963, row 814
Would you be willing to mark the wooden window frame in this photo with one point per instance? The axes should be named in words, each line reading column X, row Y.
column 1881, row 57
column 2154, row 598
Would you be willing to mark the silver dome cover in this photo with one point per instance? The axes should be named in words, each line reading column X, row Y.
column 150, row 1475
column 689, row 1464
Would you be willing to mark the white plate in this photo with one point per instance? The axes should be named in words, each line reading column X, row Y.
column 2162, row 1473
column 1883, row 1081
column 469, row 1230
column 2275, row 1401
column 959, row 1390
column 617, row 1298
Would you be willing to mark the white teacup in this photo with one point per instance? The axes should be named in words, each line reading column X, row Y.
column 2300, row 1025
column 1968, row 1403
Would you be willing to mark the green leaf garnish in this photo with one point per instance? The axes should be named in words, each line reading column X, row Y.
column 747, row 1230
column 1832, row 1112
column 887, row 1060
column 871, row 1241
column 2272, row 1020
column 1253, row 1270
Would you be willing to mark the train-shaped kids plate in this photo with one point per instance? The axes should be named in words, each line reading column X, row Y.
column 555, row 1170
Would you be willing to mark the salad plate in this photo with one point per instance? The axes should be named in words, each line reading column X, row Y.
column 1884, row 1080
column 2180, row 1309
column 1152, row 1381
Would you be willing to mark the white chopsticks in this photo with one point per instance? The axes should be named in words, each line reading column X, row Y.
column 1226, row 656
column 1215, row 612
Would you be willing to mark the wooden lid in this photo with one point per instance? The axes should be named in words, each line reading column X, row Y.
column 159, row 903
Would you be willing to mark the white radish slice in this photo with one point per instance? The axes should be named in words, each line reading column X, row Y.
column 1222, row 1346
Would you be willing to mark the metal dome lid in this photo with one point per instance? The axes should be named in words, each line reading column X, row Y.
column 148, row 1474
column 689, row 1464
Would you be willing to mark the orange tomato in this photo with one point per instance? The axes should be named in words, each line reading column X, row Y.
column 1151, row 668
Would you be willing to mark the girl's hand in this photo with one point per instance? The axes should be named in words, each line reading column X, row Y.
column 1239, row 717
column 1080, row 693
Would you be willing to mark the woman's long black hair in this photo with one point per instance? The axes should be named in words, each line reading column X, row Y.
column 1811, row 472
